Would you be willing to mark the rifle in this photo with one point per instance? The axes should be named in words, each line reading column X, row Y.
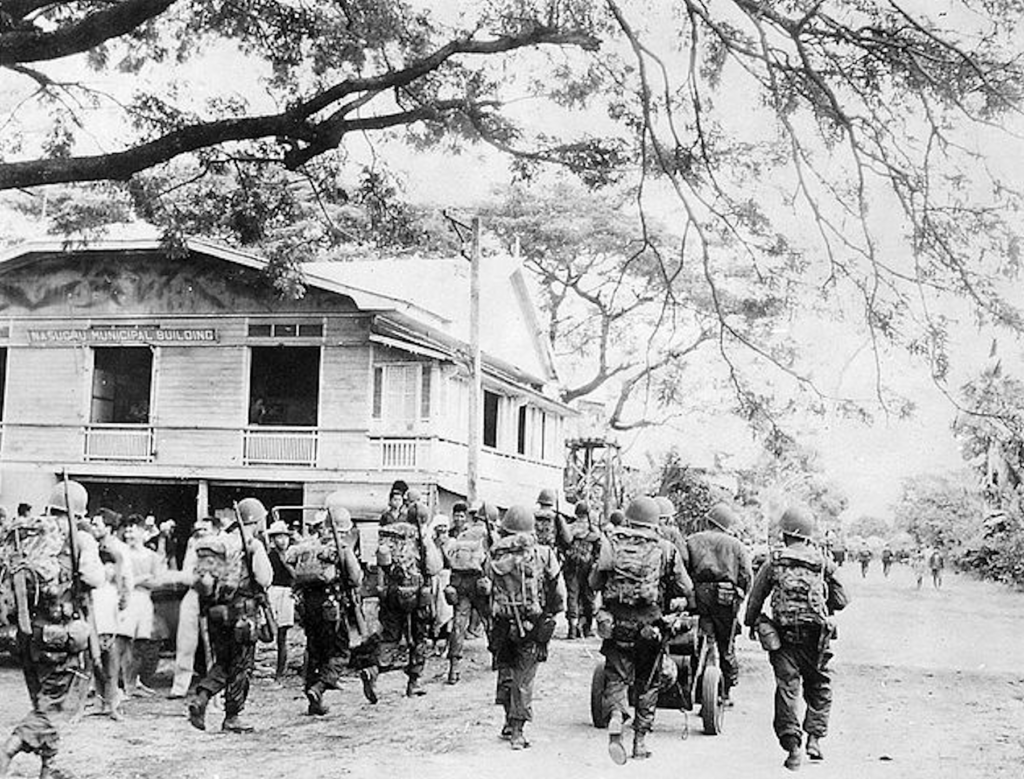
column 267, row 632
column 354, row 607
column 77, row 598
column 21, row 587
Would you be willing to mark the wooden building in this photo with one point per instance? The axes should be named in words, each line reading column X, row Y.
column 173, row 385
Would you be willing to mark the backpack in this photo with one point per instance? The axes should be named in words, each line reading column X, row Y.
column 635, row 570
column 798, row 594
column 36, row 551
column 516, row 573
column 580, row 551
column 467, row 552
column 219, row 569
column 400, row 545
column 312, row 563
column 544, row 527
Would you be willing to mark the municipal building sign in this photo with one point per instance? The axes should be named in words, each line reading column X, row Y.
column 114, row 336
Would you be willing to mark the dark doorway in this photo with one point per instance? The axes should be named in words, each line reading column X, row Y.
column 121, row 381
column 284, row 385
column 223, row 497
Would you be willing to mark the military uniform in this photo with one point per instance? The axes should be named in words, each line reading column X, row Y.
column 800, row 616
column 519, row 632
column 630, row 629
column 719, row 565
column 578, row 555
column 53, row 631
column 231, row 619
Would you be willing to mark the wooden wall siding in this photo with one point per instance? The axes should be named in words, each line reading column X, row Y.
column 345, row 406
column 202, row 386
column 46, row 404
column 197, row 448
column 146, row 284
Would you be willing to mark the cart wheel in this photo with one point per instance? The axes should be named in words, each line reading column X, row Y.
column 712, row 689
column 598, row 715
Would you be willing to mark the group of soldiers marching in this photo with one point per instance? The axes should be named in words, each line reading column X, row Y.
column 628, row 577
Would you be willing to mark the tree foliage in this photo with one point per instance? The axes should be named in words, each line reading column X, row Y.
column 789, row 136
column 940, row 510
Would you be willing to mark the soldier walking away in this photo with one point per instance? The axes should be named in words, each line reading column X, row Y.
column 864, row 558
column 578, row 555
column 549, row 521
column 719, row 565
column 232, row 571
column 282, row 600
column 469, row 589
column 642, row 580
column 666, row 522
column 804, row 592
column 406, row 559
column 51, row 567
column 937, row 562
column 326, row 574
column 527, row 592
column 887, row 558
column 918, row 564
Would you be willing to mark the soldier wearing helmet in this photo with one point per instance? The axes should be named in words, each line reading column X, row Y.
column 642, row 579
column 804, row 590
column 527, row 592
column 719, row 565
column 325, row 577
column 51, row 579
column 231, row 610
column 666, row 522
column 578, row 554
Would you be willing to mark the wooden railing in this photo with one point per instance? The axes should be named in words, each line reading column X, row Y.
column 119, row 442
column 280, row 446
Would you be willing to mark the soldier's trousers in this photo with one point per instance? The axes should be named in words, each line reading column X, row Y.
column 48, row 677
column 394, row 625
column 469, row 598
column 627, row 665
column 800, row 662
column 579, row 602
column 516, row 663
column 723, row 623
column 234, row 661
column 327, row 644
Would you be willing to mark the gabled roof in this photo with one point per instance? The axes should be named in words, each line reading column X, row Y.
column 426, row 299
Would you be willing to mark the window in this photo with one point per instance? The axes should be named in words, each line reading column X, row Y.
column 287, row 330
column 3, row 378
column 521, row 437
column 284, row 385
column 121, row 380
column 401, row 393
column 491, row 419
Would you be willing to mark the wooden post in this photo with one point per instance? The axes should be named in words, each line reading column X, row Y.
column 476, row 385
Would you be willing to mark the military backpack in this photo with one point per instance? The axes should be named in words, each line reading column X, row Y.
column 219, row 570
column 517, row 575
column 635, row 568
column 799, row 593
column 399, row 556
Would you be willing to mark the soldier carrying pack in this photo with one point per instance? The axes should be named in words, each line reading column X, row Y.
column 635, row 567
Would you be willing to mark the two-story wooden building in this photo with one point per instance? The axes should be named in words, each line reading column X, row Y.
column 173, row 385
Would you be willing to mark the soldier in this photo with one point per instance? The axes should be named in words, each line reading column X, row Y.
column 53, row 566
column 642, row 580
column 527, row 592
column 549, row 521
column 804, row 591
column 887, row 558
column 666, row 523
column 325, row 574
column 719, row 565
column 470, row 589
column 406, row 559
column 230, row 577
column 578, row 558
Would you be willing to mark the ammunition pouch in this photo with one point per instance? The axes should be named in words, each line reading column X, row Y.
column 330, row 610
column 219, row 614
column 245, row 630
column 716, row 595
column 767, row 634
column 405, row 597
column 544, row 629
column 62, row 638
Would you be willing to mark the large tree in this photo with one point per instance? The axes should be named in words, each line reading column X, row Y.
column 839, row 151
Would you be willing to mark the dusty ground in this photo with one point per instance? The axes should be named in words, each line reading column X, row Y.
column 927, row 684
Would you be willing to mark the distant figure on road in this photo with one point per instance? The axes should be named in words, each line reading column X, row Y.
column 887, row 558
column 804, row 592
column 918, row 564
column 864, row 558
column 936, row 562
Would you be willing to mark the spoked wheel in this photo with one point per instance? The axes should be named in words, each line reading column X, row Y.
column 712, row 691
column 598, row 715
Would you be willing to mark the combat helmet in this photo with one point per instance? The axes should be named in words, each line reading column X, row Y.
column 518, row 519
column 721, row 516
column 643, row 512
column 666, row 508
column 340, row 516
column 546, row 497
column 797, row 522
column 251, row 511
column 68, row 495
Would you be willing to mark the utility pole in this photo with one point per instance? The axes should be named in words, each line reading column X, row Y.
column 476, row 385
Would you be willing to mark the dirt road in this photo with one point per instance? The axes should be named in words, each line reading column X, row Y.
column 928, row 684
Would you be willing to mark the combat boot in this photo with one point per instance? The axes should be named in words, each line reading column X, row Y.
column 588, row 627
column 414, row 688
column 235, row 724
column 369, row 678
column 516, row 737
column 574, row 631
column 795, row 756
column 315, row 696
column 197, row 709
column 616, row 750
column 814, row 748
column 454, row 673
column 640, row 750
column 47, row 770
column 11, row 747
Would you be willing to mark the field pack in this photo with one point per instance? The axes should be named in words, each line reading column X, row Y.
column 517, row 574
column 635, row 570
column 467, row 552
column 313, row 563
column 35, row 563
column 798, row 592
column 398, row 554
column 219, row 570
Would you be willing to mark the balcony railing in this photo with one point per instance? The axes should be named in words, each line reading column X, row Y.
column 399, row 453
column 280, row 446
column 132, row 443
